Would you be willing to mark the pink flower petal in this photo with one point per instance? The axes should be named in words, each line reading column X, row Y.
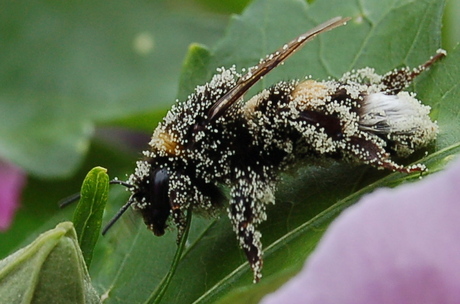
column 395, row 246
column 12, row 180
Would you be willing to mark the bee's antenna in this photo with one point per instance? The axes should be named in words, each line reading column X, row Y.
column 117, row 216
column 76, row 196
column 119, row 182
column 69, row 200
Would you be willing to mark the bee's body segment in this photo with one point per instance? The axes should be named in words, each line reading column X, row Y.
column 214, row 138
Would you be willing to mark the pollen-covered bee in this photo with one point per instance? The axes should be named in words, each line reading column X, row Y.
column 215, row 138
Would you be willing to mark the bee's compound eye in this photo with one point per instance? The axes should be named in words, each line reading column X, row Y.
column 160, row 181
column 157, row 208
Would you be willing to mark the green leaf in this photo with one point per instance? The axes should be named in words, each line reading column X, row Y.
column 212, row 266
column 67, row 65
column 232, row 6
column 87, row 217
column 440, row 89
column 39, row 202
column 159, row 292
column 194, row 70
column 49, row 270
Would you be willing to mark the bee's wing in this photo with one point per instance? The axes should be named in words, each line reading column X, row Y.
column 266, row 65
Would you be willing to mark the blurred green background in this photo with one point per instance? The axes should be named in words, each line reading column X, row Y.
column 72, row 73
column 83, row 83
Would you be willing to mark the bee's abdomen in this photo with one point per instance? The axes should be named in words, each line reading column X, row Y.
column 292, row 119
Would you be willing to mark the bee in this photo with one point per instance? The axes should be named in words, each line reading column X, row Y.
column 215, row 139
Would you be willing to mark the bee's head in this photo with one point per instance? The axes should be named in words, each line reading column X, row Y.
column 149, row 187
column 150, row 183
column 165, row 183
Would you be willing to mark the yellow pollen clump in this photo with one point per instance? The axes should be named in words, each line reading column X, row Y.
column 309, row 90
column 165, row 141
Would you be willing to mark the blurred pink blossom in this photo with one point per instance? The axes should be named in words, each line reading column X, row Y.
column 395, row 246
column 12, row 180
